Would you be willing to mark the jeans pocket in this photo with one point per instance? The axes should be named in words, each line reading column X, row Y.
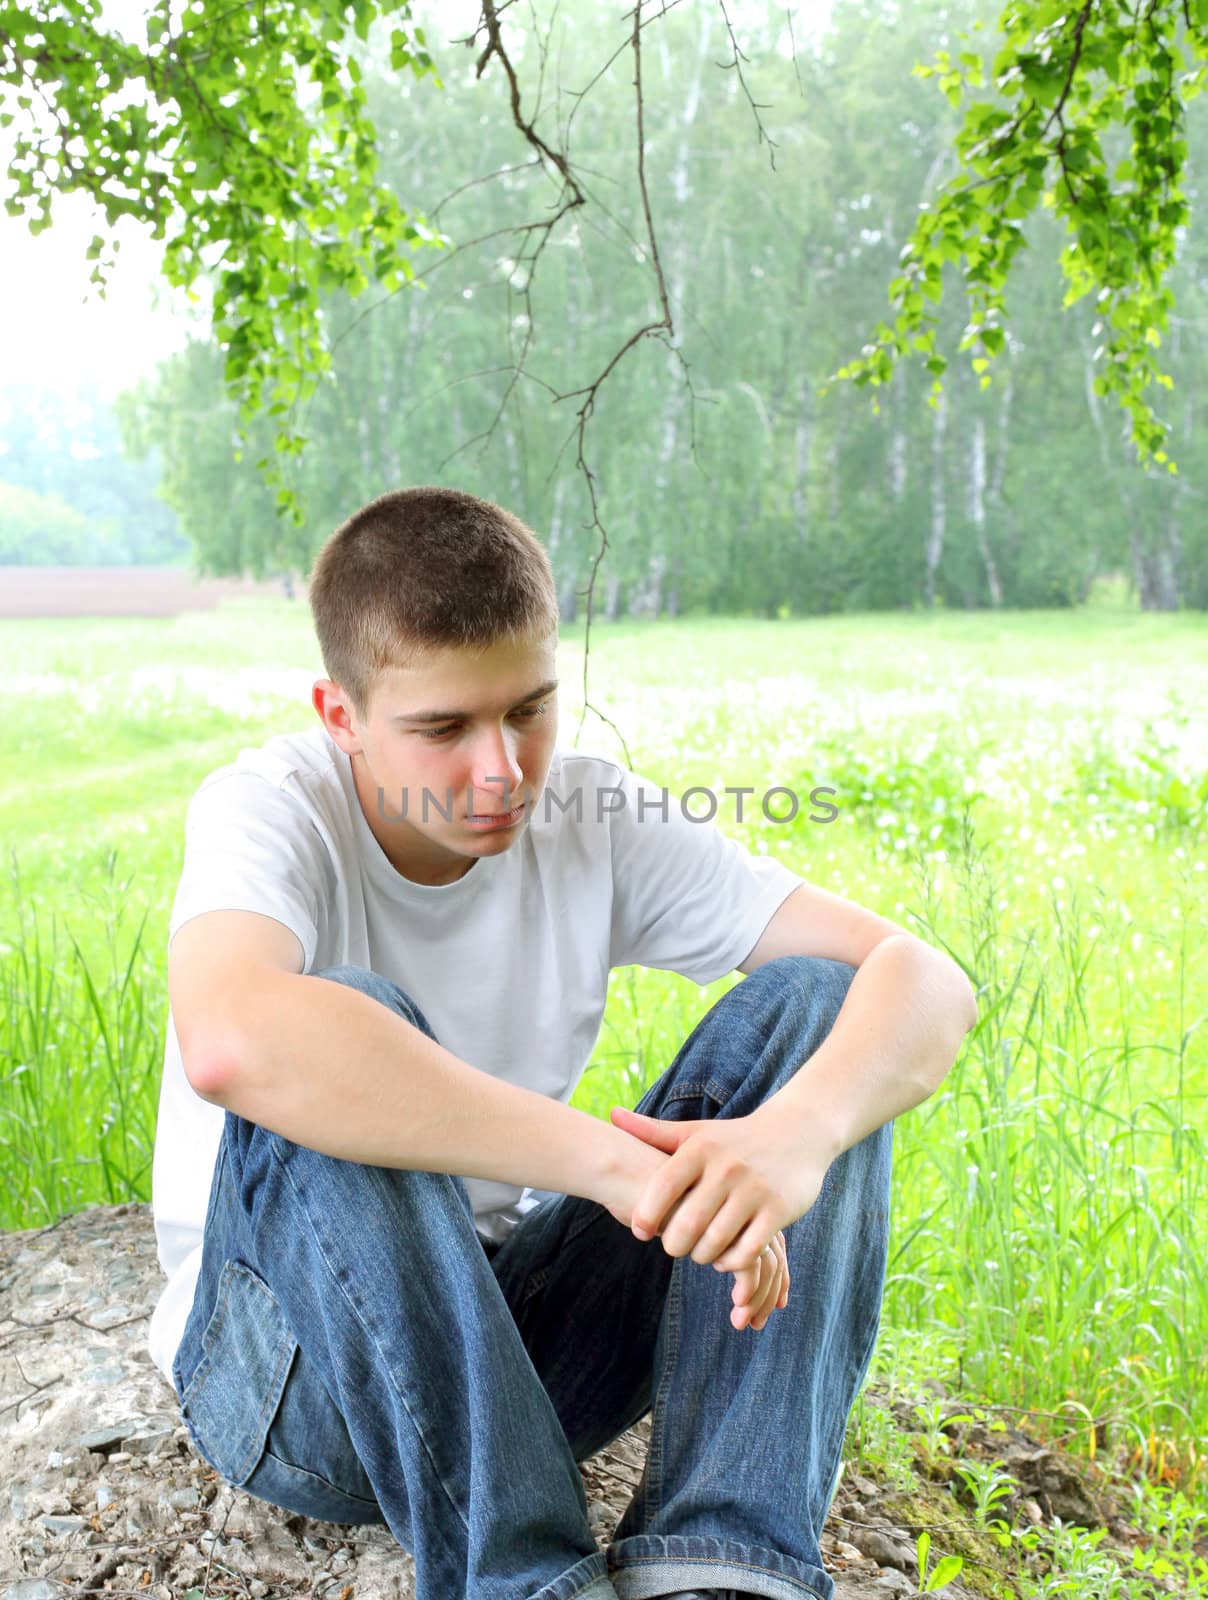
column 247, row 1351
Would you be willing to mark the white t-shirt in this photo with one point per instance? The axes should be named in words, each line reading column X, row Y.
column 587, row 886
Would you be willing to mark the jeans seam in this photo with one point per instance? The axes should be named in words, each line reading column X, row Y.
column 206, row 1361
column 654, row 1453
column 742, row 1562
column 711, row 1088
column 318, row 1477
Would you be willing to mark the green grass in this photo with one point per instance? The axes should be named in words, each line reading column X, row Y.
column 1028, row 791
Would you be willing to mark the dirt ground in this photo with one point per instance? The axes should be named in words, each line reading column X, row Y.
column 123, row 591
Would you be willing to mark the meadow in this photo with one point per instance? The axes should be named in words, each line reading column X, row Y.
column 1028, row 791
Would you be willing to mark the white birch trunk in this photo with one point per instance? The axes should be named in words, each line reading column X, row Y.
column 977, row 509
column 649, row 598
column 801, row 464
column 934, row 547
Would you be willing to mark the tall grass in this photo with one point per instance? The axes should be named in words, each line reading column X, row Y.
column 1058, row 1183
column 80, row 1058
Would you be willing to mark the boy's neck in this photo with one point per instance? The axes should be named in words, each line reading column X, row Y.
column 406, row 852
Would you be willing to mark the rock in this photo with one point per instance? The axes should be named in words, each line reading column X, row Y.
column 103, row 1440
column 892, row 1582
column 880, row 1547
column 63, row 1524
column 598, row 1515
column 1053, row 1484
column 142, row 1518
column 151, row 1434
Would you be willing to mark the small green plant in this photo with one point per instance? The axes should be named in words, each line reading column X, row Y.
column 948, row 1567
column 1166, row 1513
column 878, row 1443
column 923, row 798
column 1076, row 1566
column 1153, row 775
column 934, row 1440
column 988, row 1486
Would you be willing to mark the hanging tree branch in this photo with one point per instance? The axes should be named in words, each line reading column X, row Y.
column 573, row 195
column 1062, row 80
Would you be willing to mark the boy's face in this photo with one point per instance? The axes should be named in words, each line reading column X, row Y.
column 484, row 756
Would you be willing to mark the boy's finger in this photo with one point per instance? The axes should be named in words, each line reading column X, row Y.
column 776, row 1301
column 763, row 1303
column 744, row 1286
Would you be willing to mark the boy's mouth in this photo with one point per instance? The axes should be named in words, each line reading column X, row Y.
column 496, row 819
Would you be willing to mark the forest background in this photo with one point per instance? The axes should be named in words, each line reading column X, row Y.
column 784, row 168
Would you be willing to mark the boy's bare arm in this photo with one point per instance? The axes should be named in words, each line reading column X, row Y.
column 331, row 1068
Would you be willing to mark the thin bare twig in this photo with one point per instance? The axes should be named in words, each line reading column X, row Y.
column 55, row 1322
column 487, row 177
column 662, row 328
column 788, row 17
column 735, row 65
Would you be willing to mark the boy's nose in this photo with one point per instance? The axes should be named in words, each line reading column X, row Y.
column 496, row 779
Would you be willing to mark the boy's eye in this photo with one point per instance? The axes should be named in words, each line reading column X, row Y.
column 525, row 712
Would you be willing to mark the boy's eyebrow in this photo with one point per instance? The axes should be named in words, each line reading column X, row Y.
column 465, row 716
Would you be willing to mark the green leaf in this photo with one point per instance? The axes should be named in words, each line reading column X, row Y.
column 400, row 50
column 944, row 1573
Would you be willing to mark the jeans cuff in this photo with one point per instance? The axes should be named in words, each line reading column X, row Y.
column 586, row 1580
column 650, row 1564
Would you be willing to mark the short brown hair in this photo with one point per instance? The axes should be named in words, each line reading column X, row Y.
column 424, row 569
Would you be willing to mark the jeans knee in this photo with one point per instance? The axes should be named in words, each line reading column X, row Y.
column 785, row 1009
column 818, row 977
column 379, row 988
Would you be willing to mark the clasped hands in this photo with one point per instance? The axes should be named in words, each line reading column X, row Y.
column 728, row 1189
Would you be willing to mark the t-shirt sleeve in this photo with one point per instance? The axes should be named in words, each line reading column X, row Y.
column 685, row 896
column 250, row 846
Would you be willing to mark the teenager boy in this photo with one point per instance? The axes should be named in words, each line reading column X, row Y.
column 408, row 1284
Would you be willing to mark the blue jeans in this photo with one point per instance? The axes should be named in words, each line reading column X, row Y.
column 354, row 1354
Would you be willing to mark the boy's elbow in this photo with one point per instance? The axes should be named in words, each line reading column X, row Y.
column 964, row 996
column 210, row 1073
column 950, row 991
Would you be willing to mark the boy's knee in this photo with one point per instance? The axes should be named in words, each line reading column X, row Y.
column 355, row 977
column 803, row 994
column 806, row 974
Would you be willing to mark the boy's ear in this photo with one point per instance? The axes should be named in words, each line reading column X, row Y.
column 334, row 713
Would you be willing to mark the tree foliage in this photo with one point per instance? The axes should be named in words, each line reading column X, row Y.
column 625, row 254
column 726, row 481
column 238, row 133
column 66, row 452
column 1069, row 81
column 41, row 530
